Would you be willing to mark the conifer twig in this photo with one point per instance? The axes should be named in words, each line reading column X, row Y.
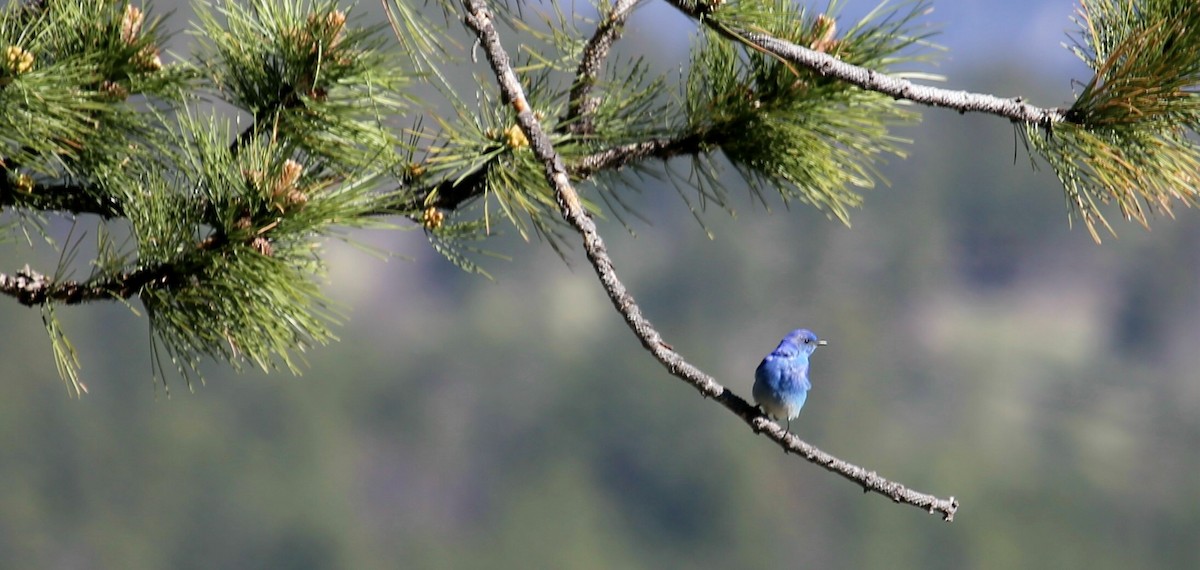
column 451, row 194
column 619, row 156
column 70, row 198
column 1014, row 109
column 582, row 103
column 32, row 288
column 480, row 20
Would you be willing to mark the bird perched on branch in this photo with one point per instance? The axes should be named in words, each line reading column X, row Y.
column 781, row 380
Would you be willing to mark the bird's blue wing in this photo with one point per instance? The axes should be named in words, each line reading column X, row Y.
column 783, row 374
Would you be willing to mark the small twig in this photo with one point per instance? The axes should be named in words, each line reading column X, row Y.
column 582, row 104
column 451, row 193
column 446, row 194
column 619, row 156
column 69, row 198
column 479, row 19
column 32, row 288
column 826, row 65
column 63, row 197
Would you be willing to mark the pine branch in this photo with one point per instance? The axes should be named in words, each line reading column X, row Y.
column 1130, row 136
column 479, row 19
column 657, row 148
column 451, row 194
column 223, row 227
column 445, row 194
column 582, row 103
column 827, row 65
column 69, row 198
column 32, row 288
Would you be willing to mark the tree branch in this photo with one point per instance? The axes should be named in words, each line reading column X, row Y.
column 447, row 195
column 24, row 192
column 444, row 194
column 619, row 156
column 582, row 105
column 479, row 19
column 68, row 198
column 823, row 64
column 32, row 288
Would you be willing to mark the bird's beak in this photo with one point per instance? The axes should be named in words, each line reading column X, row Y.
column 821, row 343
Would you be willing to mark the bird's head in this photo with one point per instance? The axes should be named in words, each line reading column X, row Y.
column 805, row 340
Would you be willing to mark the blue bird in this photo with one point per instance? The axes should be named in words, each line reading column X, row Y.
column 781, row 380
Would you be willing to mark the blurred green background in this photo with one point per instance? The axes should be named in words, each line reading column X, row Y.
column 980, row 348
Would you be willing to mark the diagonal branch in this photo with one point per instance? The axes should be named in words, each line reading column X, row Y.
column 582, row 103
column 479, row 19
column 826, row 65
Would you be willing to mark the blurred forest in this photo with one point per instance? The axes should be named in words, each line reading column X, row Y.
column 979, row 347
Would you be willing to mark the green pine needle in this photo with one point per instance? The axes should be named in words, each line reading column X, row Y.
column 307, row 74
column 1129, row 139
column 249, row 258
column 790, row 130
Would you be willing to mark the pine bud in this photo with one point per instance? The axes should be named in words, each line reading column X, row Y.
column 17, row 60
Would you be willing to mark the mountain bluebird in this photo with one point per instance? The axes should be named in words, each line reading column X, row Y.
column 781, row 380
